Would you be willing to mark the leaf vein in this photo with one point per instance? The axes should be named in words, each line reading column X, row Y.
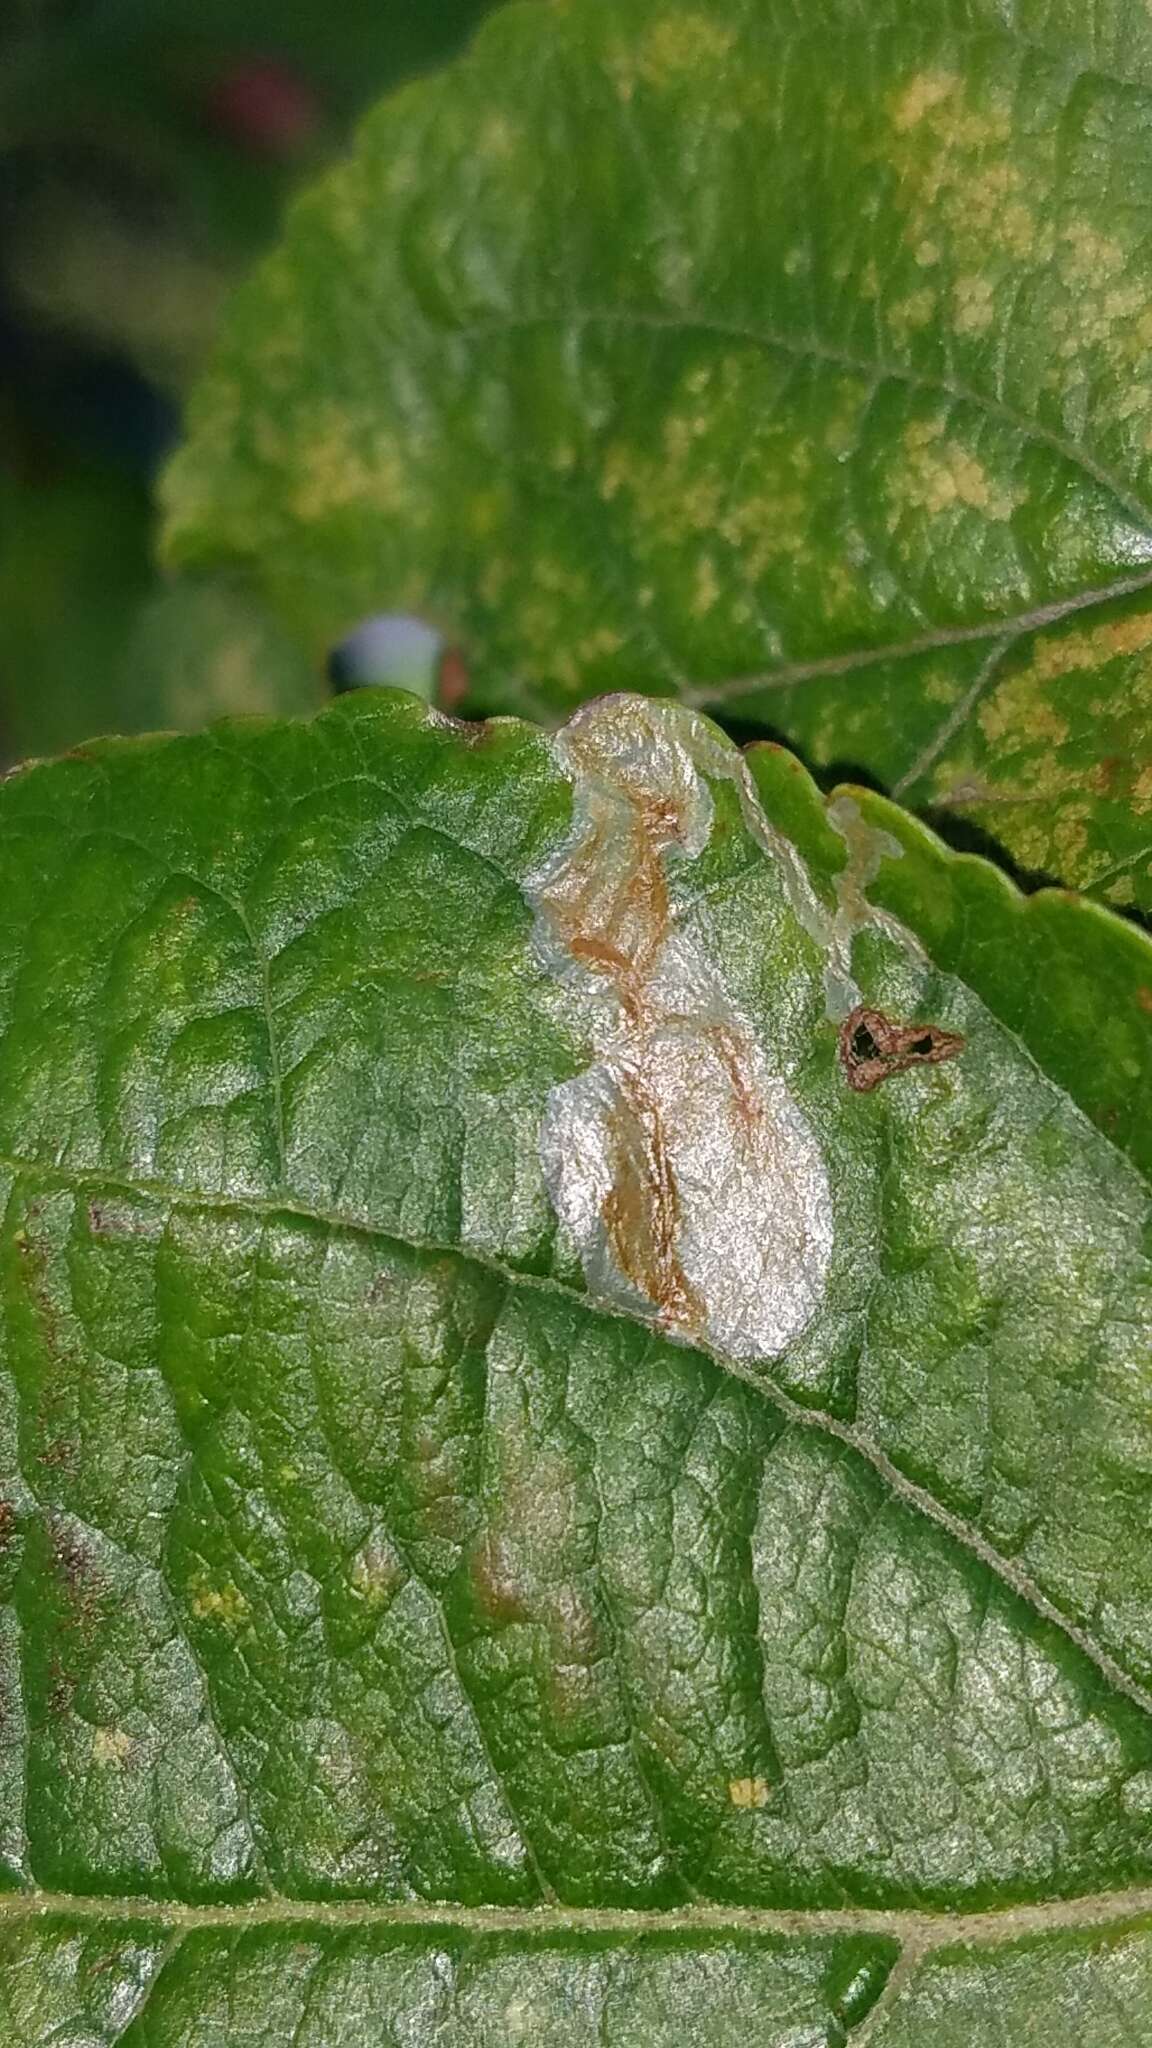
column 913, row 1495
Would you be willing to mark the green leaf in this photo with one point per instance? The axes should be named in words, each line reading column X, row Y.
column 541, row 1496
column 330, row 1987
column 1090, row 1992
column 793, row 362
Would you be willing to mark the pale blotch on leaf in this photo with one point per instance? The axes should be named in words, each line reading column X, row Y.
column 965, row 198
column 914, row 312
column 973, row 303
column 749, row 1792
column 686, row 1175
column 679, row 46
column 938, row 686
column 1091, row 647
column 938, row 475
column 496, row 141
column 928, row 89
column 111, row 1747
column 599, row 645
column 344, row 464
column 225, row 1604
column 1136, row 1795
column 1019, row 710
column 376, row 1573
column 707, row 590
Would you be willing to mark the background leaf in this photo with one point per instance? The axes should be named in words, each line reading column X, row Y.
column 793, row 366
column 428, row 1627
column 145, row 154
column 92, row 641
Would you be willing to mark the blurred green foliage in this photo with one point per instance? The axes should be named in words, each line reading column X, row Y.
column 147, row 148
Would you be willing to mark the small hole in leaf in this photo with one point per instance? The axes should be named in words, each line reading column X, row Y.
column 873, row 1046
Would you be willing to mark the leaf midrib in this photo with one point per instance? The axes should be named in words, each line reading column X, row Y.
column 916, row 1497
column 918, row 1929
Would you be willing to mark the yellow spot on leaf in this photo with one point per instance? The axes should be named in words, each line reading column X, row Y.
column 486, row 511
column 942, row 475
column 926, row 90
column 972, row 302
column 749, row 1792
column 1020, row 711
column 1091, row 256
column 914, row 311
column 225, row 1604
column 339, row 467
column 111, row 1746
column 376, row 1573
column 496, row 139
column 680, row 45
column 707, row 586
column 600, row 644
column 494, row 579
column 1094, row 646
column 937, row 686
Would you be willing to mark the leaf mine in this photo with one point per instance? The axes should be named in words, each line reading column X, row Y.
column 692, row 1185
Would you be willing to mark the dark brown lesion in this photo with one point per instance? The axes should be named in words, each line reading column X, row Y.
column 873, row 1046
column 747, row 1106
column 641, row 1212
column 613, row 911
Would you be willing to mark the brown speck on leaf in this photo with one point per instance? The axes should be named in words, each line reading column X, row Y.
column 1109, row 774
column 73, row 1562
column 58, row 1454
column 873, row 1046
column 452, row 681
column 642, row 1212
column 116, row 1219
column 615, row 913
column 499, row 1592
column 745, row 1099
column 70, row 1556
column 62, row 1689
column 1144, row 998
